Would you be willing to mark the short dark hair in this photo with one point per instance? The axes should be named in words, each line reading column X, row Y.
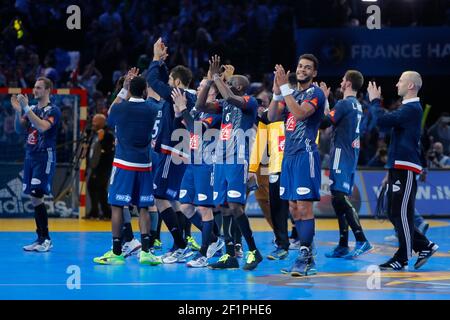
column 310, row 57
column 356, row 78
column 137, row 86
column 47, row 82
column 183, row 74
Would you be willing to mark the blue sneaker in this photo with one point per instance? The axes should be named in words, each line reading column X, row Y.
column 304, row 265
column 278, row 254
column 360, row 248
column 337, row 252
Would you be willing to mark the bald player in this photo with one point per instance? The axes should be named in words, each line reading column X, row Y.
column 404, row 164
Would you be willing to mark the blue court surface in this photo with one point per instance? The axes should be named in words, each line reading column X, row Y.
column 51, row 275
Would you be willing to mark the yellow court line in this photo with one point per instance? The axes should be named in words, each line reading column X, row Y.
column 258, row 224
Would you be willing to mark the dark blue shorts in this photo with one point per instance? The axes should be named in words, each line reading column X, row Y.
column 230, row 183
column 39, row 169
column 300, row 177
column 197, row 185
column 130, row 187
column 167, row 178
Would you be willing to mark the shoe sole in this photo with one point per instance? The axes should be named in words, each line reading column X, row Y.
column 110, row 264
column 296, row 274
column 277, row 258
column 148, row 263
column 212, row 268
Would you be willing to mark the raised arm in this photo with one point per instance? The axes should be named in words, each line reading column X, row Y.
column 300, row 112
column 20, row 124
column 157, row 75
column 124, row 94
column 40, row 124
column 277, row 105
column 222, row 87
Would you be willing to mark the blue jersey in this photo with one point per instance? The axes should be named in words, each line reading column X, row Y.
column 38, row 142
column 166, row 124
column 301, row 135
column 235, row 133
column 202, row 138
column 346, row 117
column 133, row 121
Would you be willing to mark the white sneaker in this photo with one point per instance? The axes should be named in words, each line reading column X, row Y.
column 44, row 246
column 179, row 256
column 131, row 248
column 214, row 247
column 199, row 261
column 32, row 246
column 294, row 245
column 391, row 238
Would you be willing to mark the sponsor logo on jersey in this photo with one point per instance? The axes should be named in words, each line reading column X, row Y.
column 202, row 197
column 291, row 122
column 355, row 143
column 225, row 131
column 273, row 178
column 146, row 198
column 32, row 137
column 281, row 191
column 35, row 181
column 194, row 141
column 123, row 197
column 395, row 188
column 215, row 194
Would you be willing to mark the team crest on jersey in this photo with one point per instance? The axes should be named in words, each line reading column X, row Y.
column 291, row 122
column 208, row 120
column 194, row 141
column 281, row 143
column 225, row 131
column 355, row 143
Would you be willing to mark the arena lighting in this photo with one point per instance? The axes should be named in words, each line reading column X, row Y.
column 369, row 0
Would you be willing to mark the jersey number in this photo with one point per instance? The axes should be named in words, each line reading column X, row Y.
column 155, row 129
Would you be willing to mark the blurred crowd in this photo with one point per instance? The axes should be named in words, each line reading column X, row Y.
column 119, row 34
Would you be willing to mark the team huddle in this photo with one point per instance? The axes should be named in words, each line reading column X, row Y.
column 178, row 150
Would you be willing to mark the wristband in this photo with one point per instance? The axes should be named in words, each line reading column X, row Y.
column 26, row 109
column 123, row 94
column 285, row 90
column 277, row 97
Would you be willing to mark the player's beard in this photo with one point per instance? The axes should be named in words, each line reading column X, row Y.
column 306, row 80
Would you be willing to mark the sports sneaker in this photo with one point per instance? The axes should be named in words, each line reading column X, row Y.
column 424, row 255
column 198, row 261
column 238, row 252
column 225, row 262
column 360, row 248
column 193, row 245
column 110, row 258
column 131, row 248
column 32, row 246
column 157, row 245
column 278, row 254
column 45, row 246
column 304, row 265
column 294, row 244
column 252, row 260
column 391, row 238
column 394, row 265
column 148, row 258
column 214, row 247
column 337, row 252
column 179, row 256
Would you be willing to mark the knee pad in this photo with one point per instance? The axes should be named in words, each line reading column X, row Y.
column 339, row 202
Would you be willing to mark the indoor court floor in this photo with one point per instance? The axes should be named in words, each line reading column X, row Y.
column 54, row 275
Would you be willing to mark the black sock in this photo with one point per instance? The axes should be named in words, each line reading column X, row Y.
column 196, row 220
column 170, row 219
column 158, row 229
column 244, row 226
column 206, row 236
column 227, row 221
column 182, row 223
column 145, row 240
column 117, row 246
column 343, row 230
column 353, row 221
column 218, row 222
column 41, row 218
column 127, row 232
